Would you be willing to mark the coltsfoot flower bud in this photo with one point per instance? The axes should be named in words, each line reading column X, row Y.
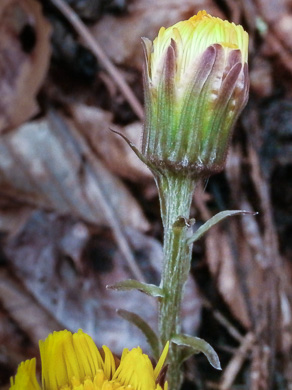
column 196, row 85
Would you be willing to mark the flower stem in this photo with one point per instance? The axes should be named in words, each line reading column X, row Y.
column 175, row 193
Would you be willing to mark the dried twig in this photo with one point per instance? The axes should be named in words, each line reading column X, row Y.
column 236, row 362
column 224, row 321
column 96, row 49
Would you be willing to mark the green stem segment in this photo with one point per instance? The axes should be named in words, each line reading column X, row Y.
column 175, row 194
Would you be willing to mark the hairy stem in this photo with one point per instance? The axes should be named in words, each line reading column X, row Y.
column 175, row 195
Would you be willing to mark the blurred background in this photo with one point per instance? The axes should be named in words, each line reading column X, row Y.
column 79, row 211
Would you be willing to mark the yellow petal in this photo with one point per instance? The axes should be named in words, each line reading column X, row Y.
column 161, row 360
column 25, row 378
column 192, row 38
column 109, row 363
column 135, row 370
column 65, row 356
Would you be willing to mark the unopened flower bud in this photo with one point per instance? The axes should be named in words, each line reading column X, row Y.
column 196, row 85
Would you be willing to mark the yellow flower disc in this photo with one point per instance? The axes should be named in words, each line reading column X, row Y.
column 73, row 362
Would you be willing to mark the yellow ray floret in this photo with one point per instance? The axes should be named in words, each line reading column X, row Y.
column 25, row 378
column 193, row 36
column 73, row 362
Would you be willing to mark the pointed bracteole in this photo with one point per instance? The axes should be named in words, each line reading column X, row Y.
column 148, row 332
column 130, row 284
column 133, row 147
column 198, row 345
column 214, row 220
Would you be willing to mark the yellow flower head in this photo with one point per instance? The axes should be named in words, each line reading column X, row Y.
column 192, row 37
column 196, row 85
column 73, row 362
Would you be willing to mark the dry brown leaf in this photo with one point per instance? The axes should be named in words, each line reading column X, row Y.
column 24, row 309
column 283, row 26
column 234, row 256
column 67, row 269
column 24, row 59
column 261, row 81
column 15, row 346
column 222, row 266
column 244, row 259
column 95, row 124
column 12, row 215
column 49, row 165
column 121, row 37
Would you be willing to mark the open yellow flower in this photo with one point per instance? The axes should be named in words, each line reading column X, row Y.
column 73, row 362
column 196, row 85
